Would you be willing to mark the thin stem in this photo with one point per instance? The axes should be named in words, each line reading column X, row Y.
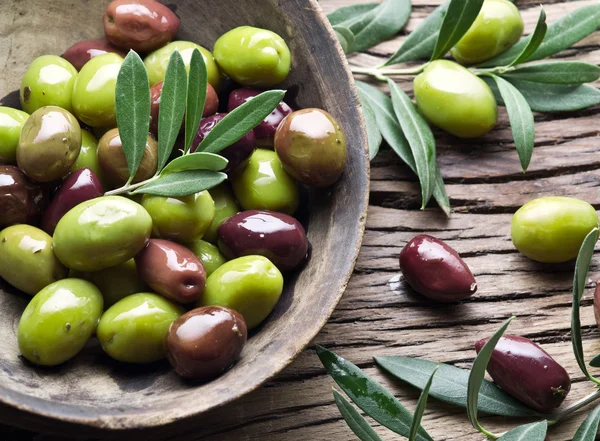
column 129, row 187
column 490, row 435
column 556, row 417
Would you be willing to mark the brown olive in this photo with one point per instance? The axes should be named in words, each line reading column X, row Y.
column 82, row 52
column 21, row 200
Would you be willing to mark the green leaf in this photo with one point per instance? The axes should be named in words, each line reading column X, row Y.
column 373, row 133
column 196, row 96
column 520, row 118
column 556, row 72
column 595, row 362
column 348, row 15
column 367, row 394
column 457, row 21
column 357, row 423
column 439, row 192
column 589, row 429
column 172, row 107
column 450, row 385
column 196, row 161
column 183, row 183
column 534, row 40
column 419, row 137
column 345, row 36
column 527, row 432
column 132, row 97
column 420, row 409
column 240, row 121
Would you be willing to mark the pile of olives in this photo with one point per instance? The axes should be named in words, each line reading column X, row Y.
column 126, row 268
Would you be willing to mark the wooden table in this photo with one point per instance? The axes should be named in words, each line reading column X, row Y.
column 379, row 316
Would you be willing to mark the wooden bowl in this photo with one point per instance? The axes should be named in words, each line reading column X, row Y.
column 93, row 392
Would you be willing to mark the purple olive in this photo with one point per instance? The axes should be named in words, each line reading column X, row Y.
column 82, row 52
column 277, row 236
column 528, row 373
column 78, row 187
column 22, row 201
column 435, row 270
column 237, row 153
column 171, row 270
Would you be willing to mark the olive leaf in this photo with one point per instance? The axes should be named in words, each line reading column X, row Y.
column 527, row 432
column 183, row 183
column 420, row 409
column 534, row 40
column 345, row 36
column 357, row 423
column 589, row 428
column 132, row 99
column 373, row 134
column 347, row 16
column 595, row 362
column 556, row 72
column 196, row 161
column 458, row 19
column 196, row 96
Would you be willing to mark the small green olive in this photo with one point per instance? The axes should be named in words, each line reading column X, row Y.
column 58, row 321
column 209, row 255
column 88, row 155
column 225, row 207
column 11, row 123
column 552, row 229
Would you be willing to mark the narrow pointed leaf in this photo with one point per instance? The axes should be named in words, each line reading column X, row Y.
column 196, row 161
column 348, row 15
column 183, row 183
column 534, row 40
column 527, row 432
column 357, row 423
column 420, row 409
column 345, row 36
column 196, row 96
column 439, row 192
column 373, row 133
column 556, row 72
column 458, row 19
column 595, row 362
column 589, row 429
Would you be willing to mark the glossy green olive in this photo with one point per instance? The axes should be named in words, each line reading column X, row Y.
column 134, row 329
column 157, row 61
column 180, row 219
column 250, row 285
column 253, row 56
column 58, row 321
column 454, row 99
column 209, row 255
column 94, row 91
column 88, row 155
column 552, row 229
column 48, row 81
column 265, row 185
column 101, row 233
column 11, row 123
column 27, row 259
column 225, row 207
column 498, row 26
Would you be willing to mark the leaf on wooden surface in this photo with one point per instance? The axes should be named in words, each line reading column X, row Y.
column 373, row 133
column 589, row 428
column 345, row 37
column 595, row 362
column 348, row 15
column 556, row 72
column 357, row 423
column 458, row 19
column 527, row 432
column 420, row 409
column 534, row 40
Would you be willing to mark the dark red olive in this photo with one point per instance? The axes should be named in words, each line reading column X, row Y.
column 277, row 236
column 528, row 373
column 171, row 270
column 78, row 187
column 22, row 201
column 237, row 153
column 265, row 131
column 435, row 270
column 205, row 342
column 82, row 52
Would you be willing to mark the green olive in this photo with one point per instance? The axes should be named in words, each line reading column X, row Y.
column 225, row 207
column 27, row 259
column 88, row 155
column 498, row 26
column 58, row 321
column 253, row 56
column 11, row 123
column 265, row 185
column 94, row 91
column 209, row 255
column 250, row 285
column 552, row 229
column 101, row 233
column 134, row 329
column 48, row 81
column 454, row 99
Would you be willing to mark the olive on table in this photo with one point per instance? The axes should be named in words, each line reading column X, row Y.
column 205, row 342
column 88, row 155
column 210, row 256
column 225, row 207
column 21, row 200
column 454, row 99
column 58, row 321
column 277, row 236
column 552, row 229
column 11, row 123
column 253, row 57
column 265, row 185
column 250, row 285
column 27, row 259
column 49, row 144
column 171, row 270
column 528, row 373
column 311, row 147
column 133, row 330
column 435, row 270
column 101, row 233
column 82, row 52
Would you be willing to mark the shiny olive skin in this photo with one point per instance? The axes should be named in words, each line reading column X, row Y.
column 11, row 123
column 454, row 99
column 225, row 207
column 237, row 154
column 140, row 25
column 435, row 270
column 528, row 373
column 58, row 321
column 101, row 233
column 114, row 165
column 277, row 236
column 209, row 255
column 88, row 155
column 49, row 144
column 311, row 147
column 79, row 186
column 498, row 26
column 133, row 330
column 552, row 229
column 21, row 200
column 253, row 57
column 205, row 342
column 265, row 185
column 48, row 81
column 171, row 270
column 180, row 219
column 82, row 52
column 27, row 259
column 94, row 91
column 157, row 61
column 250, row 285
